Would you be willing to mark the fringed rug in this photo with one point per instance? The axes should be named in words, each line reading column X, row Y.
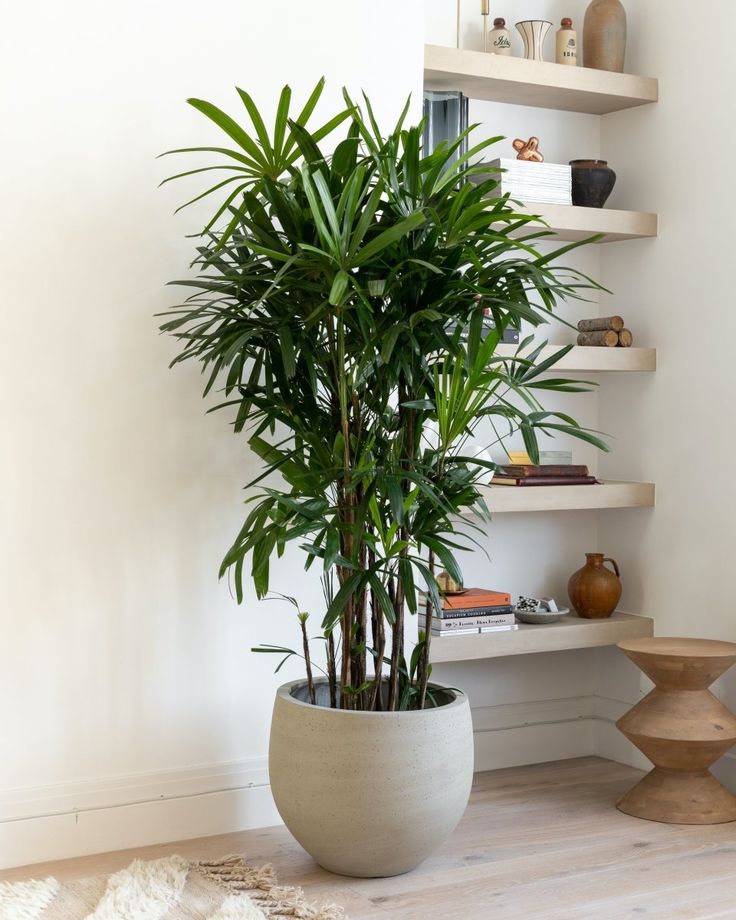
column 165, row 889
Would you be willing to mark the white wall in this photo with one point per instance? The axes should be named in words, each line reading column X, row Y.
column 131, row 709
column 125, row 673
column 676, row 158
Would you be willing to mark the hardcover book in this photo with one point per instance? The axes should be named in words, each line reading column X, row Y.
column 544, row 481
column 444, row 633
column 518, row 470
column 475, row 597
column 457, row 614
column 507, row 619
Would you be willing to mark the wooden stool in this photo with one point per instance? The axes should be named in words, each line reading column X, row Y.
column 683, row 729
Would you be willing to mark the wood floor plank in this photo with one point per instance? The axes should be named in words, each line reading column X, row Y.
column 542, row 841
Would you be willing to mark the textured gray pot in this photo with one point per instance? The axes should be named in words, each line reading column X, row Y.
column 370, row 794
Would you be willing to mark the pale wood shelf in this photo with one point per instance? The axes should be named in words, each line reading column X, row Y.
column 520, row 82
column 572, row 223
column 521, row 499
column 569, row 633
column 588, row 359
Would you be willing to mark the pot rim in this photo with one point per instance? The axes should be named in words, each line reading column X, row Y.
column 591, row 160
column 460, row 699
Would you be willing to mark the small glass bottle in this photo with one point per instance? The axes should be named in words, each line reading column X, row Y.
column 499, row 38
column 567, row 44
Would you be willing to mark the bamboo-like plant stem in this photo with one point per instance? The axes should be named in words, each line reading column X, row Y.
column 393, row 677
column 345, row 502
column 331, row 669
column 330, row 643
column 307, row 658
column 378, row 700
column 424, row 665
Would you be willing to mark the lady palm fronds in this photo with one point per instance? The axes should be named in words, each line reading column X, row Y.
column 341, row 310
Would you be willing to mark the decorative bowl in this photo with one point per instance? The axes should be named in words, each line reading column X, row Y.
column 541, row 616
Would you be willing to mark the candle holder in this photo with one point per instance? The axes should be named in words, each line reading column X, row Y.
column 485, row 9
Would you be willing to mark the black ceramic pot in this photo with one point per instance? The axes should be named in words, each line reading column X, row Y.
column 592, row 182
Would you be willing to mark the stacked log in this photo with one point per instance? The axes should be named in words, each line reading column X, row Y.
column 605, row 332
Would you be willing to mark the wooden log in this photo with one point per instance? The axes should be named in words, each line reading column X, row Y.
column 607, row 338
column 601, row 323
column 625, row 338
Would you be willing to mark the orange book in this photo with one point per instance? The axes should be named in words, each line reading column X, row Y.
column 476, row 597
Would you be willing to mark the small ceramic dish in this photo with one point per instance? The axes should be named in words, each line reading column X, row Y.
column 541, row 616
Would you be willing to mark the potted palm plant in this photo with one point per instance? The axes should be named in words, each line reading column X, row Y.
column 341, row 303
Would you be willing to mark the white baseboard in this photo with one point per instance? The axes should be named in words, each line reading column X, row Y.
column 77, row 819
column 609, row 742
column 522, row 733
column 112, row 813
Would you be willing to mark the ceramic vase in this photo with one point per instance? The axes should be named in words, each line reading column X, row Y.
column 592, row 182
column 604, row 35
column 534, row 32
column 370, row 794
column 445, row 119
column 595, row 590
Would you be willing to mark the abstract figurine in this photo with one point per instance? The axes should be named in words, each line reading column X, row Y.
column 528, row 150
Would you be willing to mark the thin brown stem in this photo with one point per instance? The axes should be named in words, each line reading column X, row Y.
column 424, row 661
column 331, row 669
column 393, row 678
column 307, row 659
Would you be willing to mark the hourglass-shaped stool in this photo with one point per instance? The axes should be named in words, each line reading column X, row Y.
column 683, row 729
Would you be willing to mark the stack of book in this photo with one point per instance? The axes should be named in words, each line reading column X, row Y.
column 528, row 181
column 527, row 474
column 475, row 610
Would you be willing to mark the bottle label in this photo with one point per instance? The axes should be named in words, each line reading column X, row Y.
column 501, row 41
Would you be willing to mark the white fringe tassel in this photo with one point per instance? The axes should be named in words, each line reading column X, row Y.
column 143, row 891
column 26, row 900
column 238, row 907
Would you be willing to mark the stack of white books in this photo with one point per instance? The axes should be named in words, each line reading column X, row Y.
column 524, row 180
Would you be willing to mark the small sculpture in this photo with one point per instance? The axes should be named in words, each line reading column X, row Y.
column 447, row 584
column 528, row 150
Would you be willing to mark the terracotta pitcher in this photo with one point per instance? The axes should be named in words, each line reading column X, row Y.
column 594, row 590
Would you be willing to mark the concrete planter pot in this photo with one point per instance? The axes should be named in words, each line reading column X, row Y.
column 370, row 794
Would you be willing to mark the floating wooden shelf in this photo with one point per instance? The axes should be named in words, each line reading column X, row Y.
column 520, row 82
column 520, row 499
column 572, row 223
column 586, row 359
column 568, row 633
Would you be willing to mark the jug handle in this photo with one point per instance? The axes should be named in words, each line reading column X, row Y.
column 614, row 564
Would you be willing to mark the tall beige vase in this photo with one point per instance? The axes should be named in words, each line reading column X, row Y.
column 604, row 35
column 370, row 794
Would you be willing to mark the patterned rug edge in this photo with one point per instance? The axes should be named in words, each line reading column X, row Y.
column 234, row 875
column 149, row 889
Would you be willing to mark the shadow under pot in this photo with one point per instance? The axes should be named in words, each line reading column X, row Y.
column 592, row 182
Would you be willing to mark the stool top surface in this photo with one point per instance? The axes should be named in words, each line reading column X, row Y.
column 680, row 647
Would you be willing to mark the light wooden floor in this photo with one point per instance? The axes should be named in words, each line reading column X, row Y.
column 542, row 841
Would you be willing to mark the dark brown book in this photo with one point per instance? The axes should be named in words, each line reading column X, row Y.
column 523, row 471
column 543, row 481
